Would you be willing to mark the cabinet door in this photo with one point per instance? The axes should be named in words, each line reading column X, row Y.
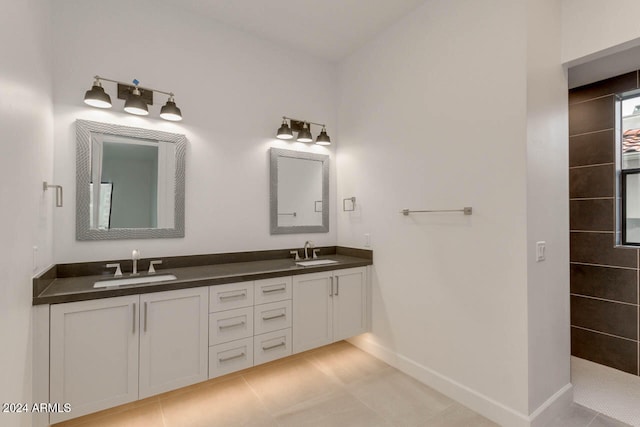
column 271, row 346
column 230, row 295
column 230, row 357
column 173, row 339
column 312, row 313
column 272, row 317
column 272, row 290
column 349, row 303
column 94, row 354
column 230, row 325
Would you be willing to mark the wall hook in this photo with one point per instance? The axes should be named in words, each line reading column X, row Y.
column 46, row 186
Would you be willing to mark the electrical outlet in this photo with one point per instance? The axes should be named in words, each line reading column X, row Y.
column 540, row 251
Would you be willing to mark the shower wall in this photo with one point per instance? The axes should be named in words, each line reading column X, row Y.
column 604, row 278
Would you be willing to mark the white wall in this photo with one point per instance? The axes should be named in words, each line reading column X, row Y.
column 232, row 88
column 443, row 122
column 547, row 206
column 26, row 128
column 595, row 28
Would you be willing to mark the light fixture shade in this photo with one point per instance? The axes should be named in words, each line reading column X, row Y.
column 304, row 135
column 135, row 104
column 170, row 111
column 97, row 97
column 323, row 138
column 285, row 131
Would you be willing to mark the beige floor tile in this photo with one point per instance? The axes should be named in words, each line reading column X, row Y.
column 346, row 362
column 399, row 398
column 227, row 404
column 149, row 415
column 334, row 409
column 87, row 419
column 605, row 421
column 575, row 416
column 457, row 415
column 288, row 384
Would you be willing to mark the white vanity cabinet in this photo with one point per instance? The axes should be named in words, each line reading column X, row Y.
column 173, row 339
column 111, row 351
column 94, row 354
column 328, row 307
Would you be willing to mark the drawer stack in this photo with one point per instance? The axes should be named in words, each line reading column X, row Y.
column 230, row 328
column 249, row 324
column 272, row 319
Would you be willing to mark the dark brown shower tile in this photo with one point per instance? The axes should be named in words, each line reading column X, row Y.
column 618, row 84
column 591, row 116
column 618, row 284
column 610, row 351
column 613, row 318
column 592, row 148
column 598, row 248
column 592, row 215
column 591, row 181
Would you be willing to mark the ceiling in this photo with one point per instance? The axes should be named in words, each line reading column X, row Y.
column 328, row 29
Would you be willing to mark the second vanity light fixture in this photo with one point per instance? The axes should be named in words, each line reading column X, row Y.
column 304, row 131
column 137, row 98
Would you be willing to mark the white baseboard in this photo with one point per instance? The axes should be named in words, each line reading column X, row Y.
column 470, row 398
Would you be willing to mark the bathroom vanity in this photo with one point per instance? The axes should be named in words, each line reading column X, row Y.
column 223, row 313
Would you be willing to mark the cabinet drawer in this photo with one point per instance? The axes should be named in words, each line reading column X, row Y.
column 230, row 357
column 230, row 325
column 271, row 346
column 272, row 316
column 231, row 295
column 271, row 290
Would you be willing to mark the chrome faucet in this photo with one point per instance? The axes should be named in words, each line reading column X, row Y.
column 308, row 244
column 135, row 256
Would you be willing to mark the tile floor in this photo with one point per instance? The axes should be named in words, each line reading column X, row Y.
column 333, row 386
column 606, row 390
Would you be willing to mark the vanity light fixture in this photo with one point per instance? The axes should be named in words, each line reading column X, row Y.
column 304, row 131
column 136, row 98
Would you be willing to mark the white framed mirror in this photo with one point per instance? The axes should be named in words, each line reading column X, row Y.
column 129, row 182
column 299, row 192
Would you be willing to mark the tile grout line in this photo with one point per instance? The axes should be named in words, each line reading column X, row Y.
column 603, row 265
column 592, row 165
column 603, row 299
column 591, row 198
column 593, row 99
column 604, row 333
column 592, row 231
column 593, row 131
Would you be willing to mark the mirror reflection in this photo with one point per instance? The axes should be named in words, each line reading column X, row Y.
column 130, row 182
column 299, row 192
column 133, row 192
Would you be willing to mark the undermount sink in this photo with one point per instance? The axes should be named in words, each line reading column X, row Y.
column 315, row 262
column 134, row 280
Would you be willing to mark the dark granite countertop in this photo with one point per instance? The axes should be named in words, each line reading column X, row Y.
column 80, row 288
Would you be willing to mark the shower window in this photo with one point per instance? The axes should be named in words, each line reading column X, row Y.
column 629, row 169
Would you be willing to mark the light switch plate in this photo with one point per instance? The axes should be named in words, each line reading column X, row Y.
column 540, row 250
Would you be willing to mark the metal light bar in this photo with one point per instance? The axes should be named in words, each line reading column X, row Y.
column 129, row 84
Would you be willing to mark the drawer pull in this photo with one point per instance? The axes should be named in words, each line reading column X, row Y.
column 268, row 291
column 226, row 359
column 240, row 295
column 271, row 347
column 233, row 325
column 277, row 316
